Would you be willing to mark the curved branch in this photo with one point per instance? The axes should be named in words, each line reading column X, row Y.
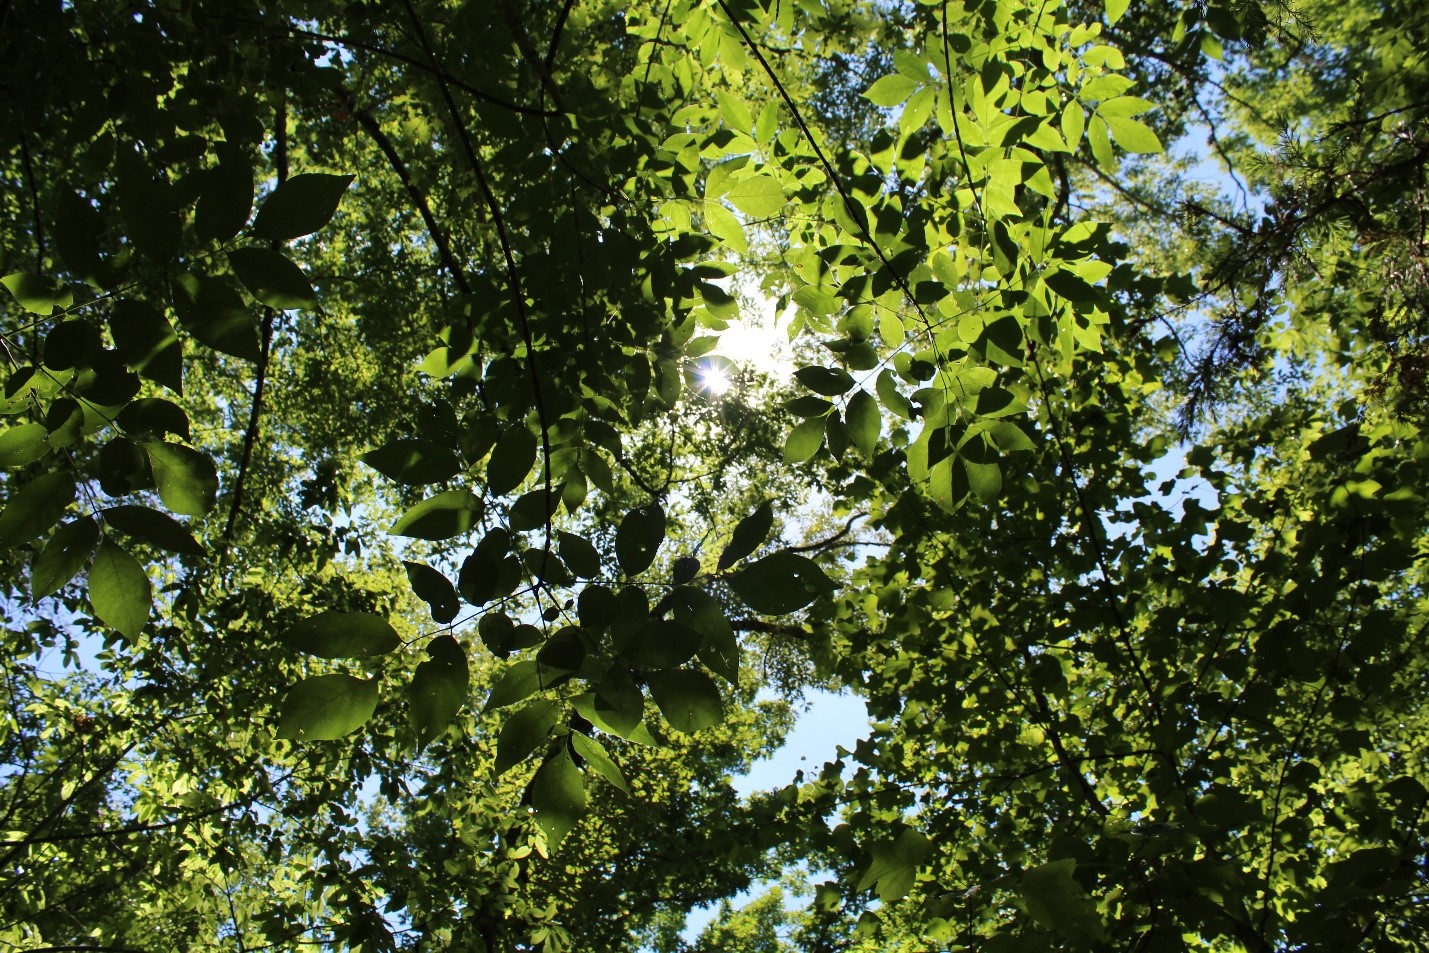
column 369, row 124
column 513, row 276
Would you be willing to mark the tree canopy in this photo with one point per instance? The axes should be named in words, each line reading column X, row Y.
column 397, row 555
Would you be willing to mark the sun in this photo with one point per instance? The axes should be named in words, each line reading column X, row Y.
column 715, row 378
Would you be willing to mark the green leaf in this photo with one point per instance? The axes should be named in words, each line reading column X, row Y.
column 524, row 732
column 187, row 480
column 37, row 294
column 1133, row 135
column 722, row 224
column 225, row 196
column 413, row 462
column 154, row 417
column 829, row 381
column 79, row 227
column 735, row 112
column 36, row 507
column 598, row 760
column 23, row 445
column 640, row 534
column 147, row 203
column 864, row 422
column 435, row 589
column 300, row 206
column 335, row 635
column 984, row 479
column 511, row 460
column 895, row 865
column 809, row 406
column 892, row 397
column 688, row 699
column 890, row 90
column 439, row 688
column 558, row 796
column 804, row 440
column 1056, row 901
column 1115, row 9
column 519, row 682
column 157, row 529
column 781, row 583
column 719, row 648
column 147, row 342
column 119, row 590
column 216, row 315
column 273, row 278
column 661, row 644
column 617, row 704
column 63, row 556
column 327, row 707
column 758, row 196
column 579, row 555
column 748, row 535
column 450, row 513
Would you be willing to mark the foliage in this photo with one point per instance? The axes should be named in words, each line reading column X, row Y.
column 384, row 568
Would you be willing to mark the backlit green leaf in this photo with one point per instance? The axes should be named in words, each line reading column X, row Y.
column 119, row 590
column 450, row 513
column 804, row 440
column 37, row 294
column 758, row 196
column 890, row 90
column 558, row 796
column 23, row 444
column 187, row 480
column 598, row 760
column 327, row 707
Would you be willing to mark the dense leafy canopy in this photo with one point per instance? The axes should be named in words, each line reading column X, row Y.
column 395, row 555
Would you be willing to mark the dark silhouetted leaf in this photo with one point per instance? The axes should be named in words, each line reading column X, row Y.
column 413, row 462
column 343, row 635
column 273, row 278
column 640, row 534
column 155, row 528
column 63, row 556
column 439, row 688
column 689, row 700
column 783, row 582
column 300, row 206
